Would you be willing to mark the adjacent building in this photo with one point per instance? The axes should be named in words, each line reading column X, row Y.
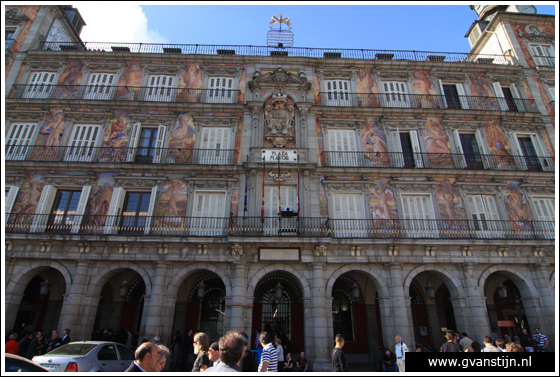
column 302, row 191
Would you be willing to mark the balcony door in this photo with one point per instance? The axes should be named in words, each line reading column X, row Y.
column 395, row 94
column 19, row 141
column 214, row 146
column 419, row 218
column 160, row 88
column 274, row 225
column 529, row 153
column 338, row 93
column 342, row 148
column 349, row 220
column 485, row 217
column 221, row 90
column 209, row 214
column 40, row 85
column 545, row 210
column 453, row 96
column 83, row 142
column 100, row 86
column 468, row 151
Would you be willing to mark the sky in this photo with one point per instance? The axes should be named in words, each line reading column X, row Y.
column 439, row 28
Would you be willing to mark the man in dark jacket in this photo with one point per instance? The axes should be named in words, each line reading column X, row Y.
column 248, row 363
column 146, row 359
column 451, row 345
column 24, row 345
column 339, row 363
column 65, row 337
column 53, row 342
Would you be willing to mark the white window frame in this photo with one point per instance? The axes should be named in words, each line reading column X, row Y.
column 211, row 224
column 415, row 227
column 19, row 150
column 357, row 227
column 40, row 84
column 104, row 90
column 394, row 146
column 499, row 93
column 540, row 149
column 335, row 144
column 219, row 155
column 288, row 198
column 396, row 98
column 336, row 96
column 487, row 205
column 221, row 89
column 83, row 150
column 547, row 230
column 459, row 153
column 10, row 200
column 547, row 57
column 161, row 141
column 461, row 93
column 157, row 88
column 115, row 211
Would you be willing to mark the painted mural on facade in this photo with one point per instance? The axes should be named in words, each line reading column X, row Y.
column 451, row 206
column 498, row 145
column 532, row 28
column 366, row 87
column 28, row 197
column 382, row 202
column 517, row 206
column 181, row 139
column 374, row 143
column 437, row 144
column 52, row 129
column 172, row 204
column 99, row 200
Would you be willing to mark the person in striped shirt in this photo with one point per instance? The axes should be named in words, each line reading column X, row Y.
column 541, row 341
column 269, row 357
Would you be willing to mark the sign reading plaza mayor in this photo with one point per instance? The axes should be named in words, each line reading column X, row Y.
column 272, row 155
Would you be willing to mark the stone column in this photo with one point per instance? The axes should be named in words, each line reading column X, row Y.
column 151, row 326
column 237, row 313
column 478, row 324
column 321, row 342
column 546, row 293
column 399, row 309
column 71, row 316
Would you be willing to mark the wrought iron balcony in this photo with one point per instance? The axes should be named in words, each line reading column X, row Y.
column 426, row 101
column 328, row 53
column 277, row 227
column 436, row 161
column 124, row 93
column 165, row 156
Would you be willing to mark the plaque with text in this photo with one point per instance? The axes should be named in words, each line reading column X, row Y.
column 284, row 155
column 279, row 254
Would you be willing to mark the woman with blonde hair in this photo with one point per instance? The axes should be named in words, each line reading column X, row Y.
column 201, row 345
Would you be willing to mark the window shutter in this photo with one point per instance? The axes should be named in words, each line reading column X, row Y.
column 499, row 93
column 491, row 208
column 542, row 153
column 487, row 160
column 115, row 210
column 40, row 85
column 160, row 88
column 220, row 89
column 462, row 97
column 151, row 210
column 99, row 86
column 81, row 209
column 10, row 200
column 442, row 96
column 43, row 208
column 133, row 143
column 416, row 149
column 395, row 94
column 158, row 152
column 343, row 141
column 395, row 149
column 208, row 213
column 516, row 151
column 349, row 215
column 545, row 209
column 338, row 92
column 459, row 153
column 83, row 142
column 517, row 98
column 214, row 145
column 19, row 141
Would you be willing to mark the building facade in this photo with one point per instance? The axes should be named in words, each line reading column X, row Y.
column 307, row 192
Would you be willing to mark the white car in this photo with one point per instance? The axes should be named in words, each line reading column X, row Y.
column 87, row 356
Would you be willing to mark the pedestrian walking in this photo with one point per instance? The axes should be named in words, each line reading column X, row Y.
column 400, row 351
column 339, row 363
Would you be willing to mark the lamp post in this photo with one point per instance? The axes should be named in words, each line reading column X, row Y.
column 502, row 292
column 355, row 291
column 200, row 291
column 123, row 290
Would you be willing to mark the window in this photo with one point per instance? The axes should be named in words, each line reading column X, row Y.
column 208, row 217
column 529, row 153
column 221, row 90
column 453, row 96
column 342, row 150
column 404, row 149
column 130, row 212
column 60, row 210
column 83, row 142
column 395, row 94
column 19, row 140
column 543, row 55
column 508, row 97
column 288, row 197
column 107, row 353
column 40, row 85
column 100, row 86
column 419, row 218
column 468, row 150
column 349, row 218
column 545, row 216
column 485, row 217
column 338, row 93
column 214, row 146
column 550, row 90
column 10, row 195
column 10, row 34
column 146, row 144
column 160, row 88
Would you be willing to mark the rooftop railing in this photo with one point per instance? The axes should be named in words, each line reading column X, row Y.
column 277, row 227
column 329, row 53
column 139, row 155
column 426, row 101
column 124, row 93
column 437, row 161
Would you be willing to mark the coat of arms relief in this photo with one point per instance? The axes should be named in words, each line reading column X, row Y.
column 279, row 120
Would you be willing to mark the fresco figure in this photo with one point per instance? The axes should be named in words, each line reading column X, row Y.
column 131, row 77
column 482, row 92
column 497, row 144
column 173, row 194
column 436, row 139
column 117, row 138
column 374, row 144
column 424, row 86
column 181, row 140
column 518, row 208
column 53, row 129
column 364, row 86
column 382, row 210
column 192, row 79
column 451, row 205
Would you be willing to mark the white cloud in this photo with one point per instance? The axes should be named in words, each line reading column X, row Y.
column 116, row 22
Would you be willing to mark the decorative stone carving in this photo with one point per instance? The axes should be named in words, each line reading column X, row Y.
column 162, row 69
column 226, row 121
column 336, row 73
column 134, row 182
column 534, row 34
column 548, row 81
column 57, row 66
column 381, row 76
column 88, row 117
column 280, row 80
column 84, row 247
column 461, row 125
column 393, row 250
column 27, row 115
column 321, row 251
column 466, row 251
column 77, row 181
column 45, row 247
column 540, row 189
column 104, row 67
column 502, row 79
column 345, row 186
column 221, row 70
column 417, row 186
column 237, row 250
column 14, row 16
column 163, row 248
column 9, row 245
column 435, row 75
column 538, row 252
column 503, row 251
column 273, row 174
column 123, row 248
column 402, row 124
column 355, row 251
column 279, row 119
column 430, row 251
column 202, row 249
column 341, row 123
column 481, row 188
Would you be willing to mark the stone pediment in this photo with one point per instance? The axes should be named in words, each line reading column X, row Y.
column 279, row 76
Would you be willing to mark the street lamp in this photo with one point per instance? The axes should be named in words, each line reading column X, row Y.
column 278, row 291
column 430, row 292
column 502, row 291
column 123, row 289
column 355, row 291
column 44, row 288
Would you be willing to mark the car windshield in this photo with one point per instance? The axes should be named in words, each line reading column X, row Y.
column 73, row 349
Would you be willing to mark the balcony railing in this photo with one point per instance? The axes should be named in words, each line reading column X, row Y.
column 124, row 93
column 9, row 43
column 426, row 101
column 166, row 156
column 437, row 161
column 277, row 227
column 544, row 61
column 190, row 49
